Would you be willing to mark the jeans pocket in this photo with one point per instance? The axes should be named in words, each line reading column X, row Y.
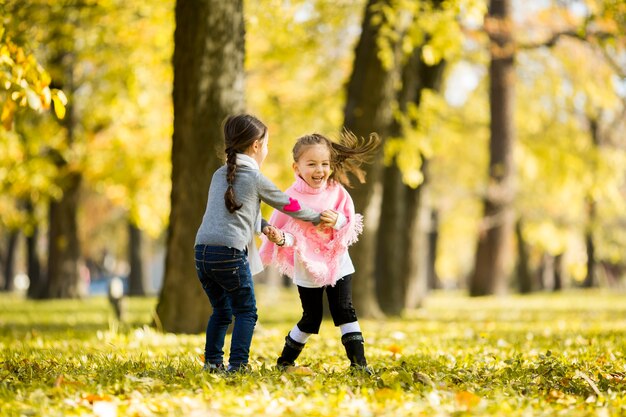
column 227, row 278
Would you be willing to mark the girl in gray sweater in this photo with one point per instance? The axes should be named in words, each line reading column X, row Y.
column 226, row 256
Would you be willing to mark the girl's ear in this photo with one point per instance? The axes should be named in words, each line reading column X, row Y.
column 295, row 168
column 254, row 147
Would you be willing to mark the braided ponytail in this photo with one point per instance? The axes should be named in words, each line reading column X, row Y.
column 229, row 197
column 240, row 132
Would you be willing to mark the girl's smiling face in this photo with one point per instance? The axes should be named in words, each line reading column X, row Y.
column 313, row 165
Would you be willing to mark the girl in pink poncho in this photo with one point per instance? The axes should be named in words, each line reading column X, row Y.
column 316, row 258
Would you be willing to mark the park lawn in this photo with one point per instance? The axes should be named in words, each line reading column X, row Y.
column 536, row 355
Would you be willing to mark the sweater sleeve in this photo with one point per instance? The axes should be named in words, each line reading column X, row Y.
column 271, row 195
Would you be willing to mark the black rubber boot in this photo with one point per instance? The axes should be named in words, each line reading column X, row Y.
column 354, row 344
column 290, row 353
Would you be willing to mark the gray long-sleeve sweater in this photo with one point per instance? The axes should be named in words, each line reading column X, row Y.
column 221, row 228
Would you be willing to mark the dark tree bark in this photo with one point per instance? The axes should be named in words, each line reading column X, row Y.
column 63, row 245
column 63, row 277
column 9, row 260
column 370, row 94
column 208, row 85
column 558, row 272
column 136, row 278
column 64, row 252
column 389, row 271
column 591, row 279
column 405, row 215
column 524, row 276
column 34, row 265
column 433, row 240
column 490, row 274
column 418, row 255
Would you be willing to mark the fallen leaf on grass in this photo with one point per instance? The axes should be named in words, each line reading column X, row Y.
column 60, row 380
column 299, row 370
column 467, row 400
column 395, row 350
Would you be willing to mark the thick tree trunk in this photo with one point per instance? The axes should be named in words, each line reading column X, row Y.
column 208, row 85
column 370, row 94
column 405, row 215
column 492, row 255
column 136, row 278
column 63, row 277
column 389, row 271
column 394, row 257
column 417, row 251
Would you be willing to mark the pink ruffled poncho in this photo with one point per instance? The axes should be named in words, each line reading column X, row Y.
column 320, row 249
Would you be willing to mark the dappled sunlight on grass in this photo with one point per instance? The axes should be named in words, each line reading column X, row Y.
column 544, row 354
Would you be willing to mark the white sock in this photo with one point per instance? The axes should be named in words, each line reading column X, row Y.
column 298, row 335
column 350, row 328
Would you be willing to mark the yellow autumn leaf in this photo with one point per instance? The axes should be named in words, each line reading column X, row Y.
column 8, row 110
column 59, row 106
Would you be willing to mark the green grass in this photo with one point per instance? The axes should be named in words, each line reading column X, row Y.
column 518, row 356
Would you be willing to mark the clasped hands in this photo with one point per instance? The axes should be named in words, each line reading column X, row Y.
column 328, row 218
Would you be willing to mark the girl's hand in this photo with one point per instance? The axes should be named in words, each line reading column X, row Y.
column 270, row 231
column 329, row 217
column 274, row 234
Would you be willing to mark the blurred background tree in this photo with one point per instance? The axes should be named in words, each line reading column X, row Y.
column 106, row 163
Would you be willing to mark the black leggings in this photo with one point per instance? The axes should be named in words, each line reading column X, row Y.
column 339, row 301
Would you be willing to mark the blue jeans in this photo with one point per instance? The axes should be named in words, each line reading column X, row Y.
column 225, row 277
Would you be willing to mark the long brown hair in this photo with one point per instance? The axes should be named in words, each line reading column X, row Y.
column 240, row 131
column 347, row 155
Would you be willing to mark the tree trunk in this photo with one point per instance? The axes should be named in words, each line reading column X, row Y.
column 136, row 278
column 397, row 226
column 524, row 276
column 208, row 85
column 389, row 269
column 591, row 279
column 405, row 215
column 492, row 255
column 34, row 265
column 433, row 239
column 558, row 272
column 416, row 249
column 417, row 252
column 370, row 94
column 9, row 265
column 63, row 276
column 63, row 245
